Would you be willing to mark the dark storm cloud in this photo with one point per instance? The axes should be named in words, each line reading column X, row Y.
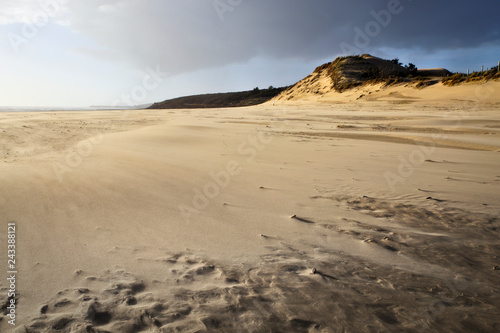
column 182, row 36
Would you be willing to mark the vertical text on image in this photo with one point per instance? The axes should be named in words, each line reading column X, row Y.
column 11, row 272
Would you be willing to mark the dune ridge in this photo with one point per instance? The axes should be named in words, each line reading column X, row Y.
column 368, row 78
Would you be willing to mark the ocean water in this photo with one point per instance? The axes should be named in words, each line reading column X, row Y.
column 56, row 108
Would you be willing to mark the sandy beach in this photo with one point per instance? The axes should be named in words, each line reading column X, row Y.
column 371, row 214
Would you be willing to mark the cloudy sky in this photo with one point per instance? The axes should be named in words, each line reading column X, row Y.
column 130, row 52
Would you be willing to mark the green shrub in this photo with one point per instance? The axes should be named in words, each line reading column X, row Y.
column 412, row 68
column 395, row 61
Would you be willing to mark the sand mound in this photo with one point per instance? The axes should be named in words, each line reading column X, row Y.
column 368, row 78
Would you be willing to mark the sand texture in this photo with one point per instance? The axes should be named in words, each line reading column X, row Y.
column 375, row 215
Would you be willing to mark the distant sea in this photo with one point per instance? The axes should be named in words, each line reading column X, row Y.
column 57, row 108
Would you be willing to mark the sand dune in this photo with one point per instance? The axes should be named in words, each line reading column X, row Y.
column 369, row 79
column 213, row 220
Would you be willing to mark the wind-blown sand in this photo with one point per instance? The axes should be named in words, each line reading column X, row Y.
column 395, row 205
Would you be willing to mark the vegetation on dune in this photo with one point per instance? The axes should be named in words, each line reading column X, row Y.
column 353, row 71
column 458, row 78
column 346, row 73
column 222, row 100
